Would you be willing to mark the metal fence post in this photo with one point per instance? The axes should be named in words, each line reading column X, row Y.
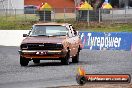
column 64, row 14
column 125, row 15
column 88, row 17
column 6, row 14
column 99, row 15
column 15, row 13
column 75, row 14
column 25, row 17
column 44, row 15
column 112, row 17
column 54, row 14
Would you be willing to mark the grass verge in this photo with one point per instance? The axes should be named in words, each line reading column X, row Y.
column 25, row 22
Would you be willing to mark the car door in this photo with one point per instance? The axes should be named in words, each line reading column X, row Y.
column 74, row 42
column 70, row 40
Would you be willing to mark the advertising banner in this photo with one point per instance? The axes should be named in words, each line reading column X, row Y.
column 106, row 40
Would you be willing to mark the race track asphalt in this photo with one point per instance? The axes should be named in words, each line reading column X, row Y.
column 52, row 73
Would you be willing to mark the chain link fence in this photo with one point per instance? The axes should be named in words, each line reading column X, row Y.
column 67, row 14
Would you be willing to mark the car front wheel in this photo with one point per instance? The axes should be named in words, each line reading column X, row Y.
column 75, row 59
column 23, row 61
column 65, row 60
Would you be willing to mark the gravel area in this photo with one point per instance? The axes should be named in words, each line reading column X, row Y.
column 102, row 86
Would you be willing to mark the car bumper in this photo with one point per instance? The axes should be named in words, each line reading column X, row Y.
column 42, row 54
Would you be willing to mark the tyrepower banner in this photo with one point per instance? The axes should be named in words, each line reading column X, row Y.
column 106, row 40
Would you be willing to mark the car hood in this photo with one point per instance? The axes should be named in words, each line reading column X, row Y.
column 40, row 39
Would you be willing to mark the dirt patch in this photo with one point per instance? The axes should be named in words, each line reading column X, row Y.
column 101, row 86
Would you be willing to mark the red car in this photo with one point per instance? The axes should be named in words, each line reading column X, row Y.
column 50, row 41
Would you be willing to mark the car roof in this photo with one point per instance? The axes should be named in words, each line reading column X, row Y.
column 30, row 6
column 53, row 24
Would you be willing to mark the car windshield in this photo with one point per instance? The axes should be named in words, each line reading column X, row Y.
column 42, row 30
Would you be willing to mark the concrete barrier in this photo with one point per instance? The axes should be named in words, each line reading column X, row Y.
column 12, row 37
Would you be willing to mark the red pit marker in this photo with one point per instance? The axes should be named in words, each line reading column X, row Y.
column 83, row 78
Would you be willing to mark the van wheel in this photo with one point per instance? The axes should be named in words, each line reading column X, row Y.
column 36, row 61
column 23, row 61
column 75, row 59
column 65, row 60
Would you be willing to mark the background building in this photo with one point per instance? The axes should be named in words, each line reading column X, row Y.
column 11, row 4
column 125, row 3
column 114, row 3
column 53, row 3
column 8, row 7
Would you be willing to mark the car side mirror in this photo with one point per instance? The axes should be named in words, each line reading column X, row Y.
column 29, row 32
column 25, row 35
column 76, row 33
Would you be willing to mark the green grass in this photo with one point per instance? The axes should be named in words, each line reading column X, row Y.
column 108, row 27
column 19, row 22
column 25, row 22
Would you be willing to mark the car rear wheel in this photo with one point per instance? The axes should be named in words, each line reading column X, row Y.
column 65, row 60
column 23, row 61
column 75, row 59
column 36, row 61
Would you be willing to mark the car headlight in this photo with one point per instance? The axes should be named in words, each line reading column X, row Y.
column 24, row 46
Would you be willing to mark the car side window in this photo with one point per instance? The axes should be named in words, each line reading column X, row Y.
column 73, row 31
column 69, row 31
